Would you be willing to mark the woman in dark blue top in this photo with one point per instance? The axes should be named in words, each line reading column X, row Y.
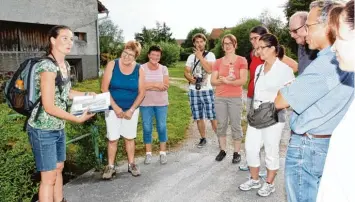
column 124, row 79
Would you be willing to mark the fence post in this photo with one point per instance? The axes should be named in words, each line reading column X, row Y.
column 94, row 135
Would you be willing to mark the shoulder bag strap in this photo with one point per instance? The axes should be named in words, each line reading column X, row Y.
column 252, row 99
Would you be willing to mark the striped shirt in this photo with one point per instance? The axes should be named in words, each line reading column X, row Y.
column 153, row 97
column 320, row 96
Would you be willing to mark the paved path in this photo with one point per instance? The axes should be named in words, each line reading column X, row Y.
column 191, row 174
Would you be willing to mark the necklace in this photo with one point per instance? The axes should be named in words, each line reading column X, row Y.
column 230, row 60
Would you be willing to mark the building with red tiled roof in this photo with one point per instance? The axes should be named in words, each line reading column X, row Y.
column 180, row 41
column 216, row 32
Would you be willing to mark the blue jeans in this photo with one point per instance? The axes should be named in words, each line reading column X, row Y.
column 304, row 167
column 148, row 113
column 48, row 147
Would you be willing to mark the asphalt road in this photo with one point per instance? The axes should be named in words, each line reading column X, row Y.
column 191, row 174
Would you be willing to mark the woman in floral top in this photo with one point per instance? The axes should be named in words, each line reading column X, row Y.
column 46, row 132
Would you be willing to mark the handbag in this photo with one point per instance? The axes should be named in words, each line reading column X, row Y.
column 265, row 115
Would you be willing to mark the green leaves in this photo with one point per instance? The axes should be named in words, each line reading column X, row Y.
column 161, row 33
column 170, row 55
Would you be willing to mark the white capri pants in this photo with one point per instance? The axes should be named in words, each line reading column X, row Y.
column 117, row 127
column 269, row 137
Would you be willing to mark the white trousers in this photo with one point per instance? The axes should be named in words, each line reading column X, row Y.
column 269, row 138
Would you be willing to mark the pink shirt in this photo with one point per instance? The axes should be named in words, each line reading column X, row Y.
column 233, row 71
column 152, row 97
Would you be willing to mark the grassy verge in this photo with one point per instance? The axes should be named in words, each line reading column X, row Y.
column 177, row 70
column 16, row 160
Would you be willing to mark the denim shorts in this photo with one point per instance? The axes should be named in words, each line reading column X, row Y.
column 48, row 147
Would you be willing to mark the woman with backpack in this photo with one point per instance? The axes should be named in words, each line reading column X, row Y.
column 46, row 128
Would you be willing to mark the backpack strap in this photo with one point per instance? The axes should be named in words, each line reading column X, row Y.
column 58, row 82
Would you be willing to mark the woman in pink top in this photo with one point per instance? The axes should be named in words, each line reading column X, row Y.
column 229, row 74
column 155, row 103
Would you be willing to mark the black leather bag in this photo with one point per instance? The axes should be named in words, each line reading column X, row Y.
column 265, row 115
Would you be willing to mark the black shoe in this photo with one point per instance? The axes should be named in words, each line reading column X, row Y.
column 236, row 157
column 202, row 143
column 221, row 155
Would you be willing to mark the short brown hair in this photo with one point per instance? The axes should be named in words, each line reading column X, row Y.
column 334, row 20
column 199, row 35
column 334, row 17
column 230, row 37
column 135, row 46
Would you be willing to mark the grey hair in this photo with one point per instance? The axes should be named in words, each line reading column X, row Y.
column 324, row 7
column 301, row 15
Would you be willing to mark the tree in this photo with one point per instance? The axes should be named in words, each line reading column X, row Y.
column 188, row 41
column 279, row 29
column 170, row 54
column 163, row 33
column 291, row 6
column 145, row 37
column 155, row 35
column 111, row 37
column 241, row 32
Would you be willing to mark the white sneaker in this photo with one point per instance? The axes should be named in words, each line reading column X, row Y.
column 148, row 159
column 266, row 189
column 163, row 159
column 250, row 184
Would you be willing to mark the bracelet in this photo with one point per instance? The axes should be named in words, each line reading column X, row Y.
column 132, row 110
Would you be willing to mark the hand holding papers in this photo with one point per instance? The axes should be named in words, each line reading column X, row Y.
column 97, row 103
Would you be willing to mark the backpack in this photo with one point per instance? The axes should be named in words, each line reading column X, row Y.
column 20, row 89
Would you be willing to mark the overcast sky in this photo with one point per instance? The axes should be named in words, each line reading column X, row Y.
column 183, row 15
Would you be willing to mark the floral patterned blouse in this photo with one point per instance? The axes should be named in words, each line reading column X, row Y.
column 46, row 121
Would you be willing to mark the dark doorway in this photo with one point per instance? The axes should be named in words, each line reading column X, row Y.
column 76, row 71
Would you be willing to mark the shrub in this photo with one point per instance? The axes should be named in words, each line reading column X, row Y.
column 184, row 53
column 16, row 159
column 171, row 53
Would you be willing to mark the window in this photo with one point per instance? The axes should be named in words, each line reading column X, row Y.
column 81, row 36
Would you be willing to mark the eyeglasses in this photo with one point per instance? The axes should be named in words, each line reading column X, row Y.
column 306, row 26
column 228, row 44
column 254, row 38
column 296, row 30
column 126, row 54
column 262, row 47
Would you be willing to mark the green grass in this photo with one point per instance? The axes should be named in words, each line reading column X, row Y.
column 177, row 70
column 91, row 85
column 245, row 86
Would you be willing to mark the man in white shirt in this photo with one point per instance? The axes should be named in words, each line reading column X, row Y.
column 198, row 72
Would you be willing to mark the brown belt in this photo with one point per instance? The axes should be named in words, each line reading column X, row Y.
column 313, row 135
